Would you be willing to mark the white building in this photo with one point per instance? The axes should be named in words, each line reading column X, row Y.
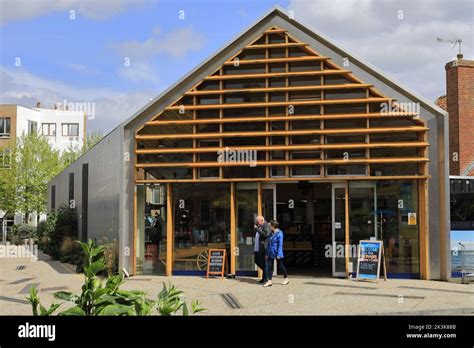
column 63, row 128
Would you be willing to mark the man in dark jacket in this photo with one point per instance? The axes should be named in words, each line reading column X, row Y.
column 262, row 231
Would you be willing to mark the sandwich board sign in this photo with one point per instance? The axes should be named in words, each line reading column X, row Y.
column 216, row 262
column 369, row 260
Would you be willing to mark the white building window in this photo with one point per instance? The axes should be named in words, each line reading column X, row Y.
column 49, row 129
column 32, row 127
column 5, row 158
column 4, row 127
column 70, row 129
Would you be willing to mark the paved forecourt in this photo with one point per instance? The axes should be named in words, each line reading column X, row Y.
column 243, row 296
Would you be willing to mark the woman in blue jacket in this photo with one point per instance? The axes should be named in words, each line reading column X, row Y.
column 275, row 251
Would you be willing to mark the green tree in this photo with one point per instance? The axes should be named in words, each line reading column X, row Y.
column 69, row 155
column 34, row 164
column 72, row 153
column 91, row 139
column 7, row 181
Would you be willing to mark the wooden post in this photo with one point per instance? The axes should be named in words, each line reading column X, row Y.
column 259, row 212
column 233, row 229
column 169, row 229
column 423, row 228
column 346, row 216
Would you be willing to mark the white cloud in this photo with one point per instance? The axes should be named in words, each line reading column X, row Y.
column 17, row 10
column 139, row 71
column 111, row 107
column 399, row 37
column 176, row 44
column 82, row 68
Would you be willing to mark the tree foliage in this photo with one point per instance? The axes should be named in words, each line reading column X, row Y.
column 34, row 163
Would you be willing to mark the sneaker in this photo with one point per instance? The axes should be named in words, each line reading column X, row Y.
column 268, row 283
column 285, row 281
column 262, row 281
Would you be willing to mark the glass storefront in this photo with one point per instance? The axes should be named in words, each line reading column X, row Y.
column 151, row 228
column 398, row 225
column 388, row 211
column 201, row 222
column 312, row 216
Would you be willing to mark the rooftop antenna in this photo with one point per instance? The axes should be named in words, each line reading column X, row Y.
column 455, row 42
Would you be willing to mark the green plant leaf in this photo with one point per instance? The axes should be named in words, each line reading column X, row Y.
column 115, row 309
column 74, row 311
column 196, row 307
column 52, row 308
column 43, row 310
column 66, row 296
column 94, row 268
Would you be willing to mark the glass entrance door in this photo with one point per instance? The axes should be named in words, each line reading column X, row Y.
column 247, row 211
column 362, row 215
column 338, row 229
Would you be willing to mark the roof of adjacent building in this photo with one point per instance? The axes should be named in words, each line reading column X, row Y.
column 442, row 102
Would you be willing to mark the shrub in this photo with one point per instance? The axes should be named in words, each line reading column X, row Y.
column 44, row 230
column 22, row 232
column 111, row 257
column 65, row 226
column 46, row 227
column 43, row 243
column 71, row 252
column 98, row 298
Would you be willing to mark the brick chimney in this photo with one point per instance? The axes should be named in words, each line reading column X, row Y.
column 460, row 106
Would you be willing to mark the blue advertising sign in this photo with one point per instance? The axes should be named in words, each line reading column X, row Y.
column 368, row 261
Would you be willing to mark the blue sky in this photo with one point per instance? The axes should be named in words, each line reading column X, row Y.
column 82, row 59
column 85, row 51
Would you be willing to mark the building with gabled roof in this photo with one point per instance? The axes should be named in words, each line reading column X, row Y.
column 284, row 123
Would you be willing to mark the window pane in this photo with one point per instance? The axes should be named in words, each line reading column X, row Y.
column 345, row 154
column 350, row 169
column 296, row 81
column 244, row 172
column 244, row 98
column 244, row 69
column 393, row 137
column 394, row 169
column 394, row 152
column 208, row 85
column 208, row 172
column 305, row 170
column 354, row 123
column 305, row 66
column 344, row 139
column 345, row 94
column 345, row 109
column 306, row 139
column 401, row 239
column 277, row 171
column 248, row 83
column 212, row 113
column 305, row 155
column 202, row 222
